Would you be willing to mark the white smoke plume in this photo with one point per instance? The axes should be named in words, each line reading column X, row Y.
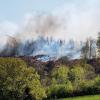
column 82, row 18
column 45, row 25
column 76, row 20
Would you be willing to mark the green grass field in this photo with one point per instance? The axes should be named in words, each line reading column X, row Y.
column 95, row 97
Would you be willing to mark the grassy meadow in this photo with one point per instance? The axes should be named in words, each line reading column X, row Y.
column 93, row 97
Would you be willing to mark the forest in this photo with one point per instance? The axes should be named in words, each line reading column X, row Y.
column 26, row 78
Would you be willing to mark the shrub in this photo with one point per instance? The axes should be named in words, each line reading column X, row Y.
column 77, row 74
column 97, row 82
column 60, row 90
column 89, row 71
column 87, row 87
column 60, row 74
column 15, row 77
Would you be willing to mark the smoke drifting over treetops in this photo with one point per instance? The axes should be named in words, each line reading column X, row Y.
column 75, row 20
column 46, row 25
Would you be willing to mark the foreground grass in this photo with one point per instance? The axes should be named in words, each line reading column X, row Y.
column 95, row 97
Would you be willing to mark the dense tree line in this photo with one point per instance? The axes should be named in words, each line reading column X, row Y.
column 19, row 81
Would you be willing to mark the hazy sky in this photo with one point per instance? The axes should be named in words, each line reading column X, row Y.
column 15, row 10
column 82, row 17
column 12, row 12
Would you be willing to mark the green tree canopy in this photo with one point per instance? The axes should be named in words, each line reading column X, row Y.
column 60, row 75
column 15, row 77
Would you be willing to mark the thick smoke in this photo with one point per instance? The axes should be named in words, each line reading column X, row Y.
column 82, row 18
column 48, row 48
column 45, row 25
column 49, row 34
column 76, row 20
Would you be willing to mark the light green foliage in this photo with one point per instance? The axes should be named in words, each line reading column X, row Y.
column 89, row 71
column 83, row 79
column 69, row 87
column 92, row 97
column 61, row 86
column 97, row 82
column 60, row 75
column 87, row 87
column 59, row 90
column 15, row 77
column 77, row 73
